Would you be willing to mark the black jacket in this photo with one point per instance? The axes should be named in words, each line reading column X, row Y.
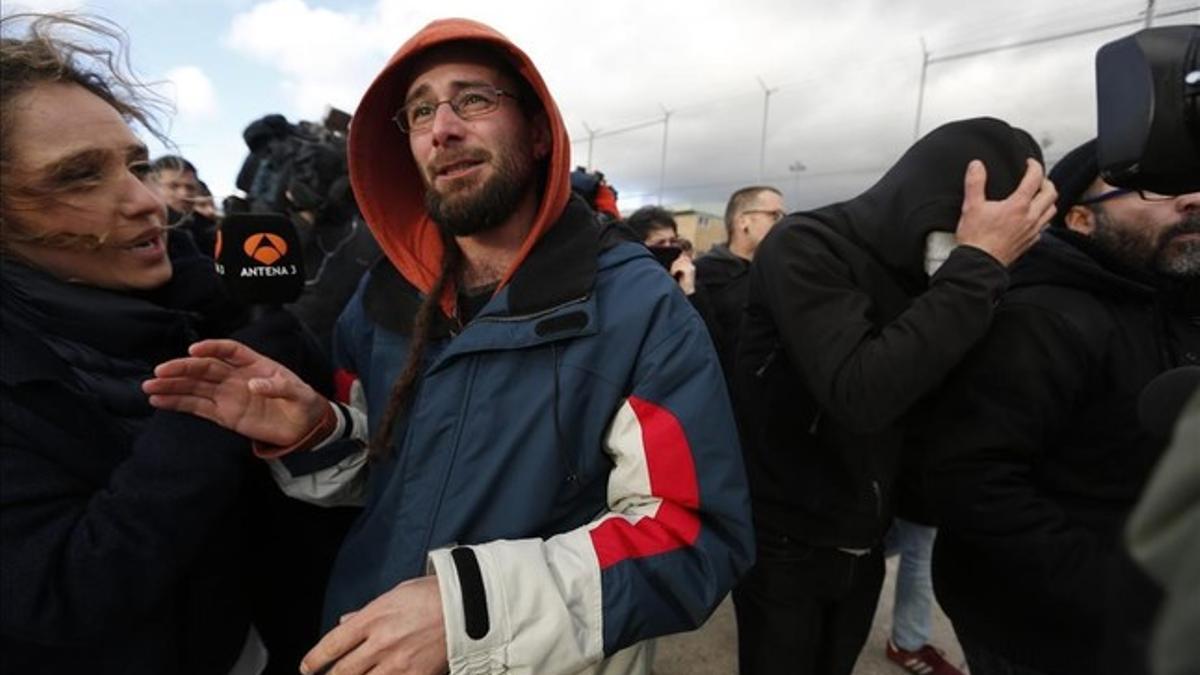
column 725, row 279
column 1039, row 455
column 336, row 255
column 124, row 539
column 844, row 333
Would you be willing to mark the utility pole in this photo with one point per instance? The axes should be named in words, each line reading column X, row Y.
column 762, row 148
column 662, row 170
column 1149, row 13
column 591, row 140
column 921, row 88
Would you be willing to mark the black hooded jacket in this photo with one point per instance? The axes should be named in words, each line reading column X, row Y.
column 844, row 333
column 1039, row 455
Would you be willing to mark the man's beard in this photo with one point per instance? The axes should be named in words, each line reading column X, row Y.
column 484, row 207
column 1161, row 254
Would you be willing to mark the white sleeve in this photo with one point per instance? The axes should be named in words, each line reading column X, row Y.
column 534, row 628
column 342, row 483
column 538, row 605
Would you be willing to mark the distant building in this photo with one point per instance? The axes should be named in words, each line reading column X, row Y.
column 705, row 230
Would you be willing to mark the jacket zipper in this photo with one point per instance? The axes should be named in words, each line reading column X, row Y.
column 564, row 455
column 466, row 398
column 458, row 431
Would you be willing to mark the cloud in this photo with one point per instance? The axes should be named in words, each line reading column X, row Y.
column 323, row 55
column 845, row 78
column 192, row 91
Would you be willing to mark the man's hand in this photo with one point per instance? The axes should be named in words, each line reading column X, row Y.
column 1007, row 228
column 684, row 273
column 230, row 384
column 398, row 633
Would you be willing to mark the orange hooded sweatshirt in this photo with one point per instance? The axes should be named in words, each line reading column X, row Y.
column 388, row 184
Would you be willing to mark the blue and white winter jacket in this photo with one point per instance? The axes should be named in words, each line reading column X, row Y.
column 570, row 470
column 568, row 465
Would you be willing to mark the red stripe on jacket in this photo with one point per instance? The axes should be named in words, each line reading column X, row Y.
column 672, row 474
column 343, row 381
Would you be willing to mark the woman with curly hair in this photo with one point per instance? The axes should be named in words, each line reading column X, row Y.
column 124, row 529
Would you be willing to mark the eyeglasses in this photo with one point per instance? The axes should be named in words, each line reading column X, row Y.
column 776, row 214
column 1146, row 195
column 467, row 104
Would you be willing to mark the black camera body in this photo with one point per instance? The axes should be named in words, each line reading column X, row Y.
column 1148, row 91
column 297, row 167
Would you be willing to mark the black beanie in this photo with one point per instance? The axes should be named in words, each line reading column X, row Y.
column 1072, row 176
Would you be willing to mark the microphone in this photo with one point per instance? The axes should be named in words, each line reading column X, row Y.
column 259, row 258
column 1162, row 400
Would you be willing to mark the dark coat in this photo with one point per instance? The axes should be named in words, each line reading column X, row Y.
column 725, row 279
column 124, row 540
column 120, row 547
column 1039, row 455
column 336, row 256
column 844, row 333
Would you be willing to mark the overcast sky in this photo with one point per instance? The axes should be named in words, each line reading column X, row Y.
column 844, row 77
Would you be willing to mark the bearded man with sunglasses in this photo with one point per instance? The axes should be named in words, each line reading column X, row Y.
column 1039, row 455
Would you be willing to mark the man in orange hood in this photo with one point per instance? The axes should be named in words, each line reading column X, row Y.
column 553, row 476
column 476, row 157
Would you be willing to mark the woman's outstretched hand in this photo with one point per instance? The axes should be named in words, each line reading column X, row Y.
column 234, row 386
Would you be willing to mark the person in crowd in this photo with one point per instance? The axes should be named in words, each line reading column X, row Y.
column 203, row 222
column 594, row 188
column 845, row 331
column 180, row 187
column 1038, row 455
column 655, row 227
column 553, row 476
column 908, row 643
column 124, row 528
column 338, row 246
column 206, row 204
column 723, row 272
column 178, row 184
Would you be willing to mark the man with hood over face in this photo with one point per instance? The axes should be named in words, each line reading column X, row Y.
column 553, row 477
column 846, row 329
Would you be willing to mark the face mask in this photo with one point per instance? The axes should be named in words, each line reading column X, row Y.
column 938, row 246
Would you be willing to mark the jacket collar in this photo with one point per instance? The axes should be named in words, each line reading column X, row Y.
column 1066, row 258
column 722, row 264
column 561, row 268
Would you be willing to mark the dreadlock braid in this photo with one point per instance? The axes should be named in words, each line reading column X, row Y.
column 406, row 384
